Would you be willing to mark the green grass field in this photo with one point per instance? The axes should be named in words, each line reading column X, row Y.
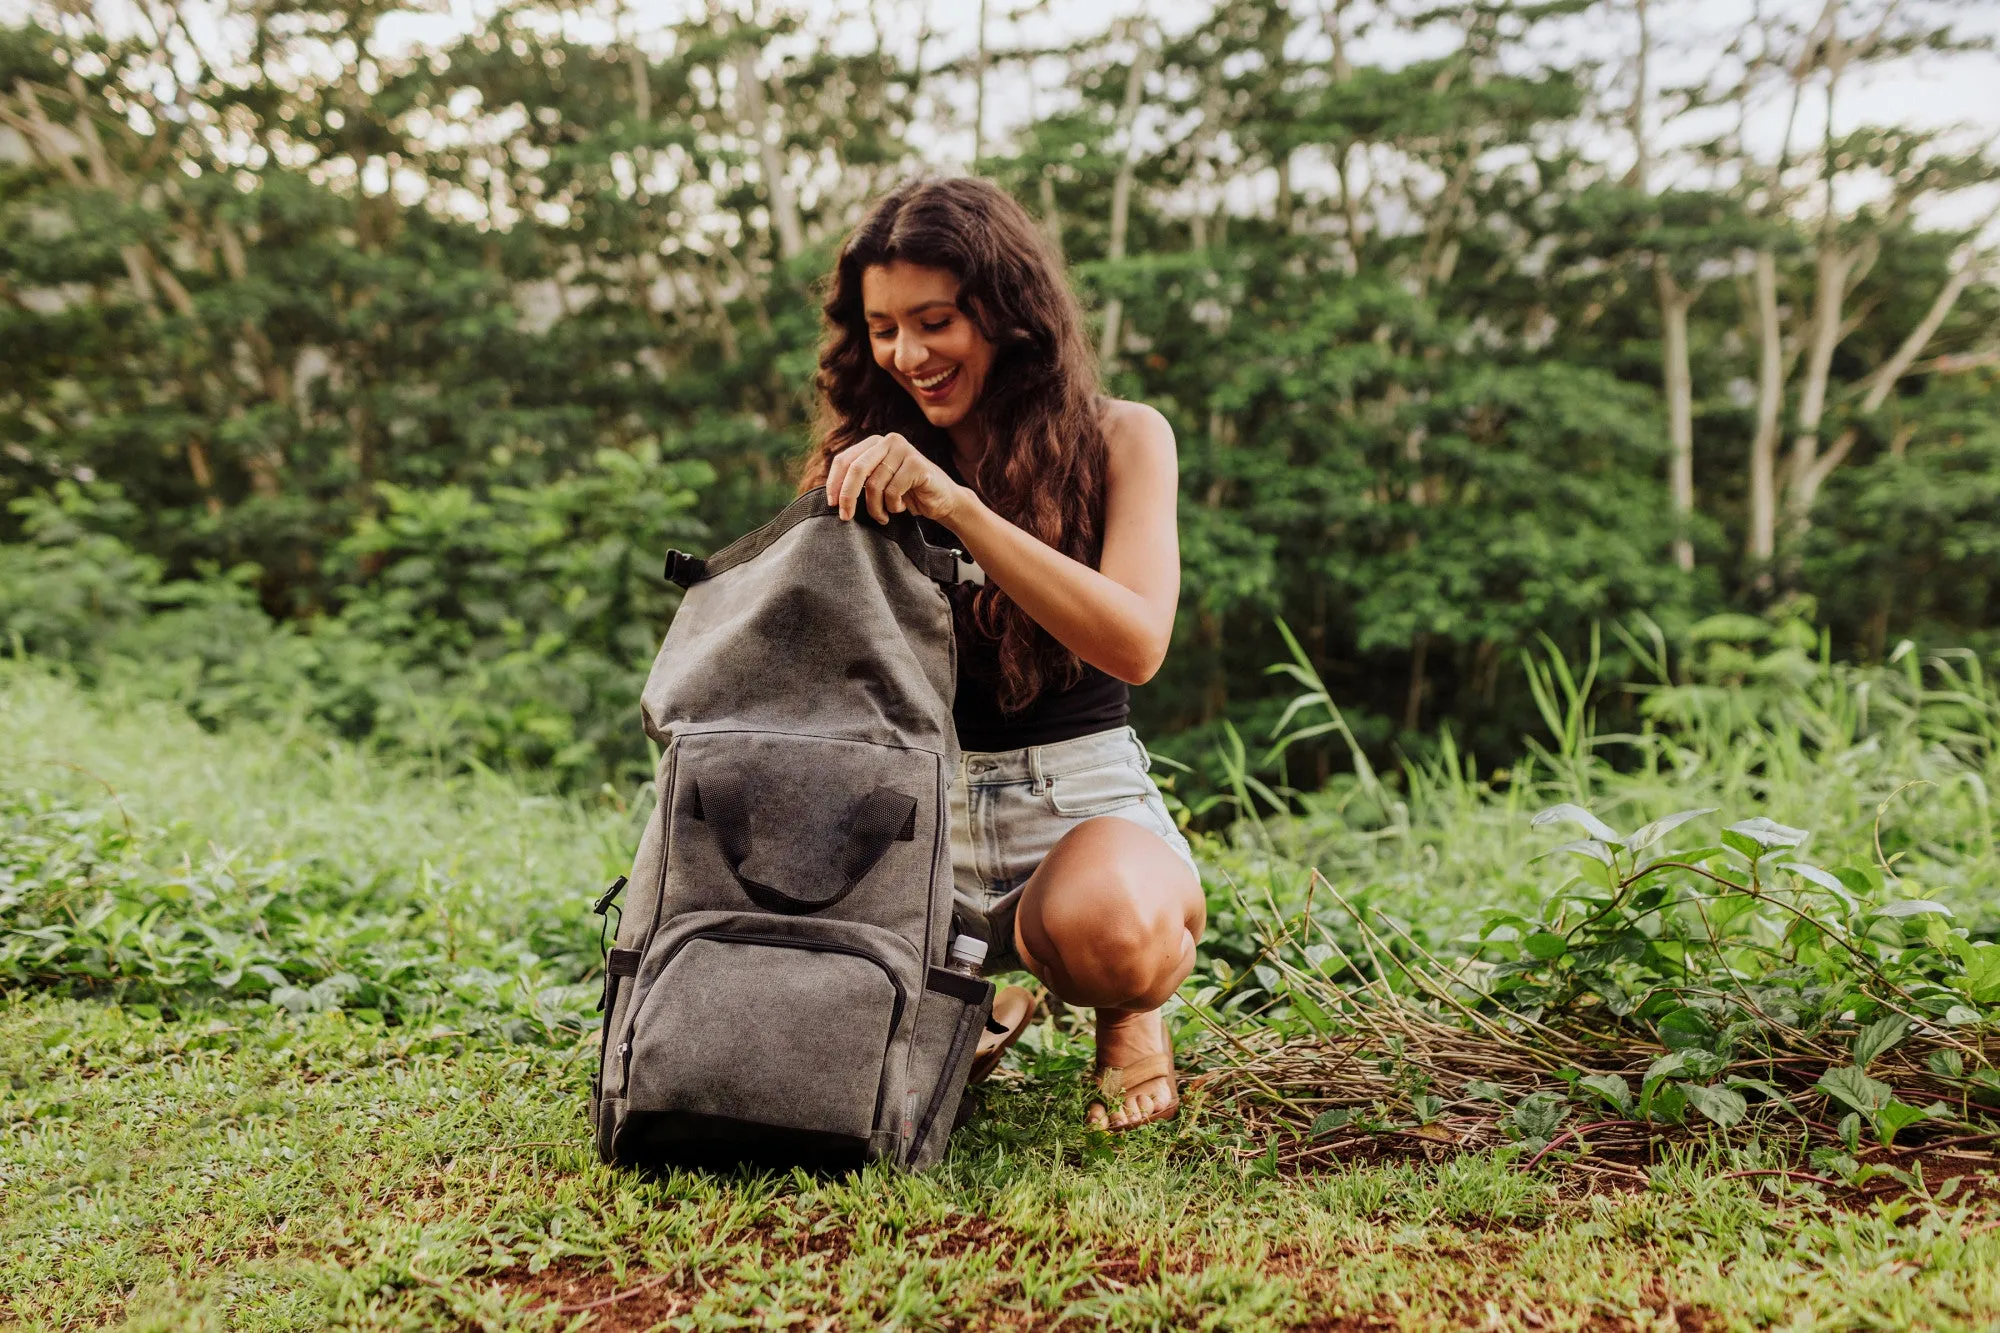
column 299, row 1040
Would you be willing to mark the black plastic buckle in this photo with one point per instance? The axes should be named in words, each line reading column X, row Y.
column 609, row 896
column 684, row 569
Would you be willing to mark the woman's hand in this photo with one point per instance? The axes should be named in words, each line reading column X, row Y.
column 894, row 478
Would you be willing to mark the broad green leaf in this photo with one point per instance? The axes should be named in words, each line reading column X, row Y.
column 1328, row 1121
column 1590, row 847
column 1875, row 1039
column 1480, row 1088
column 1539, row 1114
column 1668, row 1104
column 1612, row 1088
column 1894, row 1118
column 1722, row 1105
column 1544, row 945
column 1910, row 907
column 1814, row 875
column 1960, row 1016
column 1576, row 814
column 1685, row 1029
column 1737, row 842
column 1982, row 969
column 1768, row 833
column 1318, row 956
column 1947, row 1063
column 1863, row 881
column 1646, row 836
column 1850, row 1086
column 1666, row 1066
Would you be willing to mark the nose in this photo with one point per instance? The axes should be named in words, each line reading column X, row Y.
column 910, row 353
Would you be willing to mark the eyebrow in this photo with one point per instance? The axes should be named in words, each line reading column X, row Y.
column 913, row 310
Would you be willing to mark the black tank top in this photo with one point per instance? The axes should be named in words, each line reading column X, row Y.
column 1097, row 701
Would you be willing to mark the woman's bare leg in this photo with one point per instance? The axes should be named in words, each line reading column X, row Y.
column 1110, row 920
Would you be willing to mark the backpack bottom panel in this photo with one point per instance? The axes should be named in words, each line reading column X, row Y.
column 720, row 1143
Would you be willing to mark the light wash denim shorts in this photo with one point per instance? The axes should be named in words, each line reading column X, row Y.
column 1008, row 809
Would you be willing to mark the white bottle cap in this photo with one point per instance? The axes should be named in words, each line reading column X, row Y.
column 968, row 949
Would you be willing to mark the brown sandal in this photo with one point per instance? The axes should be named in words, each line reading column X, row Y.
column 1013, row 1010
column 1114, row 1081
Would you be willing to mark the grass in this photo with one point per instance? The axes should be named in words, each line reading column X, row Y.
column 289, row 1173
column 382, row 1127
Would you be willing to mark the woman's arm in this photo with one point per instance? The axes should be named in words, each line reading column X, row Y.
column 1119, row 617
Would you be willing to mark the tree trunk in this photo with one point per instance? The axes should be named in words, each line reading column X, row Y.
column 752, row 109
column 1830, row 272
column 1763, row 535
column 1675, row 302
column 1121, row 189
column 979, row 94
column 1051, row 214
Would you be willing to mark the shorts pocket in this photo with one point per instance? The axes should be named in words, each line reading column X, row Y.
column 1099, row 791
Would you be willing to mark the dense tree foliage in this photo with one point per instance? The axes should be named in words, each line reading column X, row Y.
column 367, row 379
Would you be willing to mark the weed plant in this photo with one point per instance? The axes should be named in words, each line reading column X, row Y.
column 1420, row 957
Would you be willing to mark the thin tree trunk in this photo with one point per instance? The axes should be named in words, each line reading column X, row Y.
column 1830, row 272
column 1051, row 214
column 1675, row 301
column 979, row 94
column 751, row 107
column 1642, row 163
column 1121, row 189
column 1763, row 535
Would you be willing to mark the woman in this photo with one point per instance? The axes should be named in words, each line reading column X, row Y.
column 956, row 384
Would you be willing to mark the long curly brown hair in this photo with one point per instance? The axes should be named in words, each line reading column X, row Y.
column 1043, row 469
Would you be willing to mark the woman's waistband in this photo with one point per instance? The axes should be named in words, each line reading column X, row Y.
column 1038, row 763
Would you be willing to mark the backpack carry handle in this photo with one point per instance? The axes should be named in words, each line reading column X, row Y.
column 883, row 817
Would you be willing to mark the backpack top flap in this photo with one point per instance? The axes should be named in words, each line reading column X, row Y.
column 815, row 626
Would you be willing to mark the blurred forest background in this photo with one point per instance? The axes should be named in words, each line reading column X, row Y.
column 360, row 380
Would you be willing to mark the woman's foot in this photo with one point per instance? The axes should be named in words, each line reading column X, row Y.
column 1134, row 1042
column 1013, row 1010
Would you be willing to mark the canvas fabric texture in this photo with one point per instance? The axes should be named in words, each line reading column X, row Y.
column 777, row 994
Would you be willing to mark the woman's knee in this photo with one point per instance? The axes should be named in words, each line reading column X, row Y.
column 1108, row 913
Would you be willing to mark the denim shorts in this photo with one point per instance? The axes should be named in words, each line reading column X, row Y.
column 1009, row 808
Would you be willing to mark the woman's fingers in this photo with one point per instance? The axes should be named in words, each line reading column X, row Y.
column 836, row 471
column 899, row 466
column 908, row 476
column 856, row 477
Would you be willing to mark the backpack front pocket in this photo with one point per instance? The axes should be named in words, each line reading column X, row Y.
column 777, row 1040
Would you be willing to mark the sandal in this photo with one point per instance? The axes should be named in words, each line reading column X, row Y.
column 1113, row 1081
column 1013, row 1010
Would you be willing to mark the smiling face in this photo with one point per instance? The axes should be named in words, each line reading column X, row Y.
column 921, row 337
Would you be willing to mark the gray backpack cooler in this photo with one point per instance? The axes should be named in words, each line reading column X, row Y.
column 777, row 993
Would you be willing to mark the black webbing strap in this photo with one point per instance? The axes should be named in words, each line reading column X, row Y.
column 618, row 963
column 882, row 818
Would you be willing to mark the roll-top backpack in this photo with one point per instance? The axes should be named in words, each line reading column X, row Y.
column 777, row 994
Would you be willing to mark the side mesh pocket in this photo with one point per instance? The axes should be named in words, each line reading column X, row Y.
column 953, row 1015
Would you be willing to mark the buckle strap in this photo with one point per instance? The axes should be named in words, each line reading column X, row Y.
column 684, row 569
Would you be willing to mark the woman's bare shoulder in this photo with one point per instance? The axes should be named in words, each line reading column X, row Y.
column 1136, row 431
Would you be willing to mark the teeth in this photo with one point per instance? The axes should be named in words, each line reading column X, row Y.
column 934, row 380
